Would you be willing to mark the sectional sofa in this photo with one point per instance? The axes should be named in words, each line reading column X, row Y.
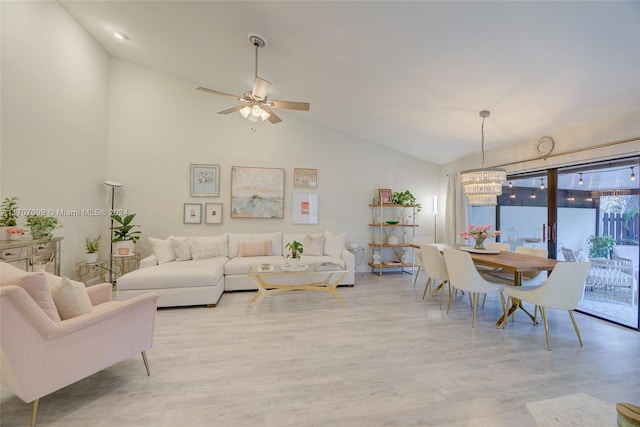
column 197, row 270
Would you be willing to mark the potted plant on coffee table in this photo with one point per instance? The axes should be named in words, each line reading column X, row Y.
column 91, row 248
column 295, row 250
column 124, row 236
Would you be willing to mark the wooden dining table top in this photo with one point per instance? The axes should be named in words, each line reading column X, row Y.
column 511, row 261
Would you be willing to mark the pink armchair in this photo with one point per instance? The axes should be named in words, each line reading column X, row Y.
column 40, row 355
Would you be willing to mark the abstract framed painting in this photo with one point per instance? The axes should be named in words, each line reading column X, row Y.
column 205, row 180
column 257, row 192
column 304, row 208
column 213, row 213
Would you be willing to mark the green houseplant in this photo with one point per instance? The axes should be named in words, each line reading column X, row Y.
column 295, row 250
column 600, row 246
column 91, row 248
column 42, row 226
column 406, row 198
column 9, row 217
column 124, row 235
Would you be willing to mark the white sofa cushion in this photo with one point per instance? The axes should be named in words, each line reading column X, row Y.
column 162, row 249
column 175, row 274
column 220, row 241
column 181, row 248
column 334, row 243
column 203, row 249
column 258, row 248
column 235, row 238
column 241, row 265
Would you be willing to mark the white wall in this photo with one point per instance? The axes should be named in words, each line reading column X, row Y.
column 54, row 118
column 159, row 125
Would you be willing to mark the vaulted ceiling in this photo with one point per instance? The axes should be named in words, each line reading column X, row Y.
column 410, row 75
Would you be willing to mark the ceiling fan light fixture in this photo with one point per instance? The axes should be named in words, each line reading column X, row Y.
column 483, row 186
column 256, row 111
column 245, row 111
column 264, row 116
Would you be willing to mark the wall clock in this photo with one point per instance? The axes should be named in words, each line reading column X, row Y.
column 544, row 145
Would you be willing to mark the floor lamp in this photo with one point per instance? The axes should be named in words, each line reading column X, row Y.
column 435, row 217
column 113, row 185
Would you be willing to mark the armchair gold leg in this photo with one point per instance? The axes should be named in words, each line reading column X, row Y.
column 575, row 326
column 146, row 363
column 34, row 412
column 426, row 287
column 543, row 310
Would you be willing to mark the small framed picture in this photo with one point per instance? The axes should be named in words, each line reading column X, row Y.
column 205, row 180
column 306, row 178
column 192, row 213
column 213, row 213
column 304, row 208
column 385, row 195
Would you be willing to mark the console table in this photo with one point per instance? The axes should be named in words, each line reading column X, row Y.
column 32, row 255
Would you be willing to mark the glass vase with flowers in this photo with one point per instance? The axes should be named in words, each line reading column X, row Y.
column 479, row 233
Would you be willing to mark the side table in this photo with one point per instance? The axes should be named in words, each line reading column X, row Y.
column 91, row 271
column 123, row 264
column 358, row 254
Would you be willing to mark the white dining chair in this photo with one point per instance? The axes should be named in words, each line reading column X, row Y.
column 436, row 270
column 464, row 276
column 420, row 240
column 498, row 246
column 562, row 290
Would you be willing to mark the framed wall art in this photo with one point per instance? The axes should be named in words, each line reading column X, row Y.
column 307, row 178
column 257, row 192
column 192, row 213
column 385, row 195
column 205, row 180
column 213, row 213
column 304, row 208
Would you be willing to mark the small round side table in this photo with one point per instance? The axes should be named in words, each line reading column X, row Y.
column 358, row 254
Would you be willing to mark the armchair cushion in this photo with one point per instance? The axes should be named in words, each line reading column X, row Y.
column 71, row 298
column 35, row 284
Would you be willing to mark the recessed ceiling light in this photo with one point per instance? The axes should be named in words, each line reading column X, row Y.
column 119, row 34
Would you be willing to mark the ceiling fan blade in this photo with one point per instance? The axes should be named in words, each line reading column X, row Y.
column 231, row 110
column 290, row 105
column 217, row 92
column 273, row 118
column 260, row 88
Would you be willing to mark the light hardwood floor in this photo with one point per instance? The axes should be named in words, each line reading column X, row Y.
column 386, row 359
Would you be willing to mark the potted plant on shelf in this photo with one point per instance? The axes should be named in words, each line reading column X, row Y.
column 15, row 233
column 406, row 198
column 295, row 250
column 123, row 235
column 91, row 248
column 9, row 216
column 42, row 226
column 600, row 246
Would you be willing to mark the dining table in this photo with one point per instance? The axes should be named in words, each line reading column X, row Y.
column 510, row 261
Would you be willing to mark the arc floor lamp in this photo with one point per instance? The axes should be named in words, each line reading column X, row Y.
column 113, row 185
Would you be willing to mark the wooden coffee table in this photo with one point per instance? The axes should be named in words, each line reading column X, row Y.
column 324, row 276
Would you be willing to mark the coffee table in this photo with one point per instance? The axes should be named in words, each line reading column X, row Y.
column 273, row 279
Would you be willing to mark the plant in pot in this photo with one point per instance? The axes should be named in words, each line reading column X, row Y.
column 406, row 198
column 91, row 248
column 600, row 246
column 295, row 250
column 42, row 226
column 124, row 236
column 8, row 216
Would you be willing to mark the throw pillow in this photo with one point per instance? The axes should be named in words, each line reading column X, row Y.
column 181, row 248
column 203, row 250
column 162, row 249
column 246, row 249
column 71, row 298
column 34, row 283
column 313, row 246
column 334, row 243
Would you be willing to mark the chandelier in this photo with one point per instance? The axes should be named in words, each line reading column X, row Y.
column 483, row 186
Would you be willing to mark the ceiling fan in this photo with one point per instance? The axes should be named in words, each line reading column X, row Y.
column 255, row 105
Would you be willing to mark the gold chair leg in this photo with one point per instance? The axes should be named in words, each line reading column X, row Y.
column 484, row 298
column 442, row 291
column 543, row 310
column 575, row 326
column 34, row 412
column 450, row 299
column 470, row 300
column 475, row 305
column 415, row 278
column 146, row 363
column 426, row 287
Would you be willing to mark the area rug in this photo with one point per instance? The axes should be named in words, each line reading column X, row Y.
column 579, row 410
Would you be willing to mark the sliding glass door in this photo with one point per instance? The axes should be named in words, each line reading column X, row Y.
column 584, row 212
